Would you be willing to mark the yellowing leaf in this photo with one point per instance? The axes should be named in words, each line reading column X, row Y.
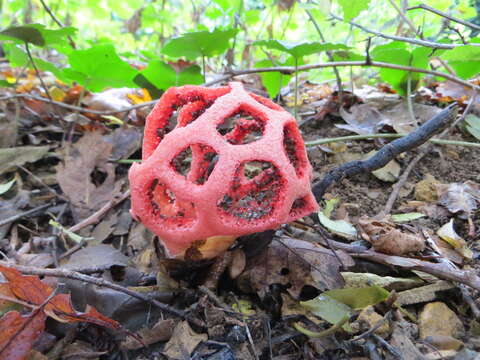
column 449, row 235
column 56, row 93
column 139, row 99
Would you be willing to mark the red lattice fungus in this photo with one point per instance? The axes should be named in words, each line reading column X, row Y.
column 234, row 163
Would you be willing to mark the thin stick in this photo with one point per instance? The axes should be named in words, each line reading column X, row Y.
column 387, row 135
column 317, row 335
column 95, row 217
column 68, row 274
column 41, row 182
column 440, row 270
column 442, row 14
column 296, row 89
column 399, row 184
column 329, row 54
column 37, row 72
column 58, row 22
column 403, row 16
column 23, row 214
column 425, row 43
column 416, row 138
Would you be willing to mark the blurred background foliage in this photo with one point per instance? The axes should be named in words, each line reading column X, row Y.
column 158, row 44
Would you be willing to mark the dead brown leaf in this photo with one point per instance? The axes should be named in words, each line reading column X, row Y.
column 81, row 161
column 460, row 197
column 386, row 238
column 295, row 264
column 161, row 331
column 362, row 119
column 183, row 341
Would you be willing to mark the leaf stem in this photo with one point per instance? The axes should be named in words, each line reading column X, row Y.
column 386, row 135
column 295, row 109
column 317, row 335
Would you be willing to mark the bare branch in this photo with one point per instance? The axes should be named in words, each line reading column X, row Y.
column 446, row 16
column 425, row 43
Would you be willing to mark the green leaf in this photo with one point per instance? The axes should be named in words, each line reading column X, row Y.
column 299, row 49
column 397, row 53
column 19, row 58
column 5, row 83
column 7, row 186
column 351, row 9
column 359, row 298
column 202, row 43
column 190, row 75
column 273, row 81
column 163, row 76
column 100, row 67
column 37, row 34
column 464, row 60
column 473, row 125
column 23, row 34
column 71, row 235
column 399, row 218
column 328, row 309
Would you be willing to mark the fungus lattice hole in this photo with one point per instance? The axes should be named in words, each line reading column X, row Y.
column 166, row 206
column 183, row 161
column 168, row 126
column 294, row 149
column 298, row 206
column 241, row 128
column 254, row 196
column 196, row 162
column 252, row 169
column 183, row 114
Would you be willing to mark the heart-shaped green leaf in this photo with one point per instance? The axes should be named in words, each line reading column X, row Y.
column 202, row 43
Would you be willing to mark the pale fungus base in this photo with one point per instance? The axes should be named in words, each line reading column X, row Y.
column 207, row 249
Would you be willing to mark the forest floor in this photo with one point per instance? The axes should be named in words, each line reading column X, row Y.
column 359, row 284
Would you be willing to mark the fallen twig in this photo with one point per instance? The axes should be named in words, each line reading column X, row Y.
column 382, row 135
column 23, row 214
column 95, row 217
column 416, row 138
column 399, row 184
column 68, row 274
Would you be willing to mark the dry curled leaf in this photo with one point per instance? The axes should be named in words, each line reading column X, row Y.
column 18, row 333
column 448, row 234
column 460, row 197
column 385, row 237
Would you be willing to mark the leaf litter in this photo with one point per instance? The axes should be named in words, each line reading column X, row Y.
column 266, row 283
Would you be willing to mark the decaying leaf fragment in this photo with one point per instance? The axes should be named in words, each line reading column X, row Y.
column 296, row 263
column 448, row 234
column 19, row 332
column 460, row 198
column 386, row 238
